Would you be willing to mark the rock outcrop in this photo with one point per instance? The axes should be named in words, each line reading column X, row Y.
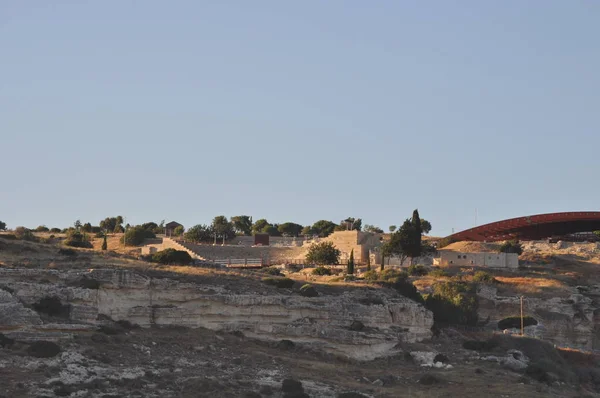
column 323, row 322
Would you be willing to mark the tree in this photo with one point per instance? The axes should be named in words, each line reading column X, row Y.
column 407, row 240
column 112, row 224
column 42, row 228
column 178, row 231
column 308, row 231
column 172, row 256
column 199, row 233
column 150, row 226
column 373, row 229
column 87, row 227
column 392, row 228
column 425, row 226
column 323, row 253
column 104, row 243
column 350, row 224
column 76, row 238
column 135, row 236
column 242, row 225
column 323, row 228
column 351, row 263
column 77, row 225
column 223, row 228
column 511, row 246
column 2, row 226
column 259, row 226
column 290, row 229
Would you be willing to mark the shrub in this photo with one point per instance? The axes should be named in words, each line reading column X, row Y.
column 405, row 288
column 271, row 271
column 321, row 271
column 25, row 234
column 511, row 246
column 284, row 283
column 42, row 228
column 392, row 275
column 439, row 273
column 484, row 277
column 324, row 253
column 308, row 291
column 514, row 322
column 55, row 230
column 8, row 236
column 99, row 234
column 172, row 256
column 77, row 239
column 417, row 270
column 178, row 231
column 454, row 303
column 104, row 243
column 371, row 275
column 135, row 236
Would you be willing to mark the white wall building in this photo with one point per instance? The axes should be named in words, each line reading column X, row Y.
column 492, row 260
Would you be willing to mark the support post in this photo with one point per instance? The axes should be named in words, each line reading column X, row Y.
column 522, row 322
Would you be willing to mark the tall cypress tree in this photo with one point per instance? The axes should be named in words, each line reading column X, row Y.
column 351, row 263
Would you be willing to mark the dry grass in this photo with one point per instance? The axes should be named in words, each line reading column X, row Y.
column 532, row 286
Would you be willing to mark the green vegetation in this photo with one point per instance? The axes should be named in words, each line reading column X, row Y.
column 350, row 270
column 55, row 230
column 178, row 231
column 321, row 271
column 199, row 233
column 242, row 225
column 23, row 233
column 417, row 270
column 42, row 228
column 439, row 273
column 514, row 322
column 484, row 277
column 407, row 242
column 511, row 246
column 135, row 236
column 2, row 226
column 271, row 271
column 282, row 283
column 454, row 303
column 349, row 224
column 172, row 256
column 373, row 229
column 104, row 243
column 392, row 228
column 76, row 238
column 289, row 229
column 323, row 253
column 223, row 228
column 112, row 224
column 262, row 226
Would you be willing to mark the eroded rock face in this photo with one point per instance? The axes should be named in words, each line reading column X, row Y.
column 563, row 321
column 323, row 321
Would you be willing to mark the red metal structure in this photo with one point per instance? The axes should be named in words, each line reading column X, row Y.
column 535, row 227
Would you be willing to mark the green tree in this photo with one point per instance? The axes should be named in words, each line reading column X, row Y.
column 350, row 224
column 308, row 231
column 77, row 225
column 178, row 231
column 222, row 227
column 135, row 236
column 425, row 226
column 392, row 228
column 104, row 243
column 323, row 253
column 87, row 227
column 42, row 228
column 76, row 238
column 150, row 226
column 407, row 240
column 199, row 233
column 112, row 224
column 350, row 270
column 172, row 256
column 242, row 225
column 511, row 246
column 290, row 229
column 2, row 226
column 323, row 228
column 373, row 229
column 259, row 226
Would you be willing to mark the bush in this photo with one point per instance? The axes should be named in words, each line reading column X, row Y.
column 55, row 230
column 178, row 231
column 135, row 236
column 77, row 239
column 484, row 277
column 514, row 322
column 99, row 234
column 25, row 234
column 454, row 303
column 371, row 275
column 172, row 256
column 511, row 246
column 308, row 291
column 321, row 271
column 284, row 283
column 324, row 253
column 417, row 270
column 439, row 273
column 8, row 236
column 271, row 271
column 404, row 288
column 42, row 228
column 392, row 275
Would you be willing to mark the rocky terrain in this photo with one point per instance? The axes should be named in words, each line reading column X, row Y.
column 83, row 324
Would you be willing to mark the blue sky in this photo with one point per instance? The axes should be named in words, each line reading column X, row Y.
column 297, row 111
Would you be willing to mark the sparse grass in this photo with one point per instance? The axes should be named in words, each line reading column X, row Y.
column 531, row 286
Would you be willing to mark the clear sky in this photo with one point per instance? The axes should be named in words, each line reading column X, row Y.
column 297, row 111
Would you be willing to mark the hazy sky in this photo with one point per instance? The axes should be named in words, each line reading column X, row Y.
column 297, row 111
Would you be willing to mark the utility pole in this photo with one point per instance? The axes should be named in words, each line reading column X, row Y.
column 522, row 322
